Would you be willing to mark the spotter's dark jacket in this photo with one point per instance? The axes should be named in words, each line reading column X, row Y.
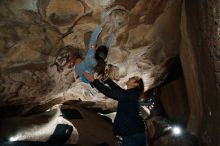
column 128, row 120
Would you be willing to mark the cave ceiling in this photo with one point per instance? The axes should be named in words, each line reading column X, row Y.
column 32, row 31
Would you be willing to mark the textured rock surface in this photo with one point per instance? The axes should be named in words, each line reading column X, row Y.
column 33, row 31
column 198, row 53
column 148, row 35
column 35, row 128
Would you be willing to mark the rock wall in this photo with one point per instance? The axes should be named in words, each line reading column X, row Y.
column 198, row 52
column 175, row 101
column 148, row 34
column 33, row 31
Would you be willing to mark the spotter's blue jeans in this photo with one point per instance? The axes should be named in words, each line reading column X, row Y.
column 138, row 139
